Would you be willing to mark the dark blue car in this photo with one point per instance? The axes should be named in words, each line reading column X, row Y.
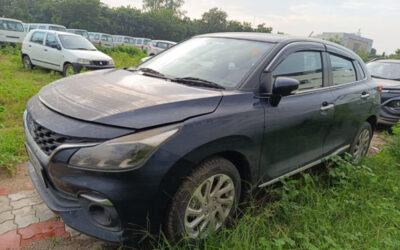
column 175, row 143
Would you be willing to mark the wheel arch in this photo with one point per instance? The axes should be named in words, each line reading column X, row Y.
column 372, row 120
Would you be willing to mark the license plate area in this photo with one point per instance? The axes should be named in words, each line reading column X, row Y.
column 35, row 163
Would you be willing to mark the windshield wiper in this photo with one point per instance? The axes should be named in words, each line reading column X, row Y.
column 148, row 72
column 194, row 81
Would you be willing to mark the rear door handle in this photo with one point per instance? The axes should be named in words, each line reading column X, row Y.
column 327, row 106
column 364, row 95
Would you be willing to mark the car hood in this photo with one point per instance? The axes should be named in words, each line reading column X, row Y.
column 127, row 99
column 90, row 54
column 388, row 84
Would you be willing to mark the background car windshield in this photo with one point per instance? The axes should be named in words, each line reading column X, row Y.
column 75, row 42
column 11, row 25
column 385, row 70
column 219, row 60
column 57, row 28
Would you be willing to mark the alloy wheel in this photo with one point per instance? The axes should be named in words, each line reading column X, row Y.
column 27, row 63
column 209, row 206
column 361, row 146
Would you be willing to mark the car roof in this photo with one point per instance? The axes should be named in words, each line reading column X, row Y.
column 10, row 19
column 52, row 24
column 387, row 61
column 55, row 32
column 164, row 41
column 78, row 29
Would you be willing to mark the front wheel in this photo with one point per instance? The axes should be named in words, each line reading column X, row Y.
column 361, row 143
column 26, row 61
column 68, row 70
column 205, row 200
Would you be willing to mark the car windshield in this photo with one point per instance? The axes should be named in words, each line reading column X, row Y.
column 219, row 60
column 57, row 28
column 75, row 42
column 386, row 70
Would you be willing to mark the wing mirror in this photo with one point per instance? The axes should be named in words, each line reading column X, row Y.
column 284, row 86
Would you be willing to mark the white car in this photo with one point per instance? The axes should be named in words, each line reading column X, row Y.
column 158, row 46
column 81, row 32
column 123, row 41
column 45, row 26
column 141, row 43
column 11, row 31
column 101, row 39
column 62, row 51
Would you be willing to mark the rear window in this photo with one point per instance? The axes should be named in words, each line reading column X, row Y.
column 57, row 28
column 97, row 37
column 106, row 38
column 38, row 37
column 146, row 42
column 342, row 70
column 162, row 45
column 32, row 27
column 11, row 26
column 139, row 41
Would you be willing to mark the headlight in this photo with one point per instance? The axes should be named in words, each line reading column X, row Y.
column 124, row 152
column 111, row 62
column 83, row 61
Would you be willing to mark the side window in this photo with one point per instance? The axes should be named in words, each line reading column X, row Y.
column 362, row 73
column 32, row 27
column 120, row 39
column 42, row 27
column 305, row 66
column 37, row 37
column 97, row 37
column 162, row 45
column 342, row 70
column 91, row 36
column 51, row 40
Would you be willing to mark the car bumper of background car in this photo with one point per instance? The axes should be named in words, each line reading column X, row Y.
column 389, row 114
column 78, row 67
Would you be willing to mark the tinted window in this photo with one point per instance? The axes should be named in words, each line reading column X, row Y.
column 303, row 66
column 11, row 25
column 37, row 37
column 51, row 40
column 342, row 70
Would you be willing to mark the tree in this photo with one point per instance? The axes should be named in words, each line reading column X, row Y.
column 263, row 29
column 154, row 5
column 215, row 20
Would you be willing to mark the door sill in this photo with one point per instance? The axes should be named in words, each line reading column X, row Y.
column 309, row 165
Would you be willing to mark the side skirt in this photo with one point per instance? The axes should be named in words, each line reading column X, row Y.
column 309, row 165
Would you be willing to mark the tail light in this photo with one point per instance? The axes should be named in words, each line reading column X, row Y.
column 21, row 46
column 380, row 88
column 100, row 43
column 149, row 47
column 142, row 47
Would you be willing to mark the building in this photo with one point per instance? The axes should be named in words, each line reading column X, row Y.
column 352, row 41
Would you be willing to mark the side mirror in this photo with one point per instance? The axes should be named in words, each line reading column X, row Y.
column 58, row 47
column 284, row 86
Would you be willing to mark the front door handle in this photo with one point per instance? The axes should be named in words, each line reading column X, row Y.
column 364, row 95
column 327, row 106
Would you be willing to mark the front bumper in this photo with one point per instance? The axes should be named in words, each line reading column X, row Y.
column 387, row 114
column 78, row 67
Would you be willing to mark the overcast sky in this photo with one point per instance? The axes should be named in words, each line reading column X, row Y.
column 378, row 20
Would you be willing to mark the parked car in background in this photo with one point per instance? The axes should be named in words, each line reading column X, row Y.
column 62, row 51
column 101, row 39
column 81, row 32
column 142, row 43
column 157, row 46
column 45, row 26
column 123, row 41
column 178, row 141
column 387, row 74
column 11, row 31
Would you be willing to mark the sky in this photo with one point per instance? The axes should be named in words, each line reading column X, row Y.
column 378, row 20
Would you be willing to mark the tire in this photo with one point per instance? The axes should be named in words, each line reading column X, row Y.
column 68, row 70
column 191, row 202
column 26, row 61
column 360, row 145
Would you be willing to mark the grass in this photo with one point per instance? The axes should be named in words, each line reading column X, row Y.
column 340, row 206
column 17, row 85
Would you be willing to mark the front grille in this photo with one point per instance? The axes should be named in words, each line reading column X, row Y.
column 46, row 139
column 100, row 63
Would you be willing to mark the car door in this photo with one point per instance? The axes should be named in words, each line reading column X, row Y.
column 52, row 52
column 351, row 97
column 36, row 48
column 296, row 128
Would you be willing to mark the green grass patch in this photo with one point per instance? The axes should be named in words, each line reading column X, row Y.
column 17, row 85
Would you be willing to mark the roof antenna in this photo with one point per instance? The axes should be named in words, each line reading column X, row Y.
column 312, row 32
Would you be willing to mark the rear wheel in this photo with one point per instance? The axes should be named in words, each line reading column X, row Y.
column 205, row 200
column 361, row 143
column 26, row 61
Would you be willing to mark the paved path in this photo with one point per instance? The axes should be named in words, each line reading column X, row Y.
column 24, row 218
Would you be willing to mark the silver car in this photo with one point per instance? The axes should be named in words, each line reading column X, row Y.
column 101, row 39
column 158, row 46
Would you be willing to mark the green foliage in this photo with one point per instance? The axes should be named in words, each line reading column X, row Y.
column 162, row 19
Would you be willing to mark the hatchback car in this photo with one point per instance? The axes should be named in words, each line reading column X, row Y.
column 11, row 31
column 155, row 47
column 176, row 142
column 387, row 74
column 101, row 39
column 45, row 26
column 123, row 41
column 141, row 43
column 81, row 32
column 62, row 51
